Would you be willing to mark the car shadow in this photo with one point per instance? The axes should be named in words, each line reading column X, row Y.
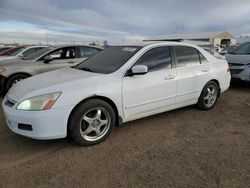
column 240, row 85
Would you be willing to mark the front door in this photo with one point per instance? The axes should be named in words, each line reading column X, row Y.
column 154, row 91
column 61, row 58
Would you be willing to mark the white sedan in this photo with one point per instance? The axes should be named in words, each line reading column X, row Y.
column 119, row 84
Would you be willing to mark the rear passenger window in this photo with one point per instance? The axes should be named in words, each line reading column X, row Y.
column 203, row 59
column 186, row 56
column 156, row 59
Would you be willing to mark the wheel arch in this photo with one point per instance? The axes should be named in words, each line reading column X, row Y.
column 217, row 82
column 17, row 73
column 118, row 119
column 14, row 74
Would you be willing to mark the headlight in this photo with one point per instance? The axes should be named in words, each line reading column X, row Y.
column 2, row 69
column 42, row 102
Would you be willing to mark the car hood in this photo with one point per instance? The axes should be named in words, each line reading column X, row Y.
column 8, row 62
column 3, row 58
column 60, row 80
column 238, row 58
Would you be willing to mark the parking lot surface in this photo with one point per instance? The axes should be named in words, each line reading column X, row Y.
column 181, row 148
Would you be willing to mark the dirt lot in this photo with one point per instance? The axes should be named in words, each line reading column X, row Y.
column 181, row 148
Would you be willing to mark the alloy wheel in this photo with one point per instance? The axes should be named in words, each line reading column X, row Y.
column 94, row 124
column 210, row 96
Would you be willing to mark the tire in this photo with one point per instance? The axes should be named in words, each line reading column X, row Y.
column 91, row 122
column 209, row 96
column 14, row 79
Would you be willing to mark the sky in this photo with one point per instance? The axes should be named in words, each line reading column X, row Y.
column 117, row 21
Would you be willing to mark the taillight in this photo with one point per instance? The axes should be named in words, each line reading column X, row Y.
column 228, row 68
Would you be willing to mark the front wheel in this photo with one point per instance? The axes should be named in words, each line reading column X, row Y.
column 209, row 96
column 91, row 122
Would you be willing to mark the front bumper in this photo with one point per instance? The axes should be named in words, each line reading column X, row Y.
column 240, row 72
column 47, row 124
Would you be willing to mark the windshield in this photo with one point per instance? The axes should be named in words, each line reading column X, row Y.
column 242, row 49
column 108, row 60
column 37, row 54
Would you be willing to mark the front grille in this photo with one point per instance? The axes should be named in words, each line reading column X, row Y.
column 236, row 71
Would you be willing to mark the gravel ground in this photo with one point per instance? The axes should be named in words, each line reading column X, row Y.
column 182, row 148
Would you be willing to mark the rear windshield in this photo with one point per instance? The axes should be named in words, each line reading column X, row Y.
column 109, row 60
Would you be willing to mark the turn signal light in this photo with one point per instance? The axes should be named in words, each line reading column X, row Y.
column 48, row 105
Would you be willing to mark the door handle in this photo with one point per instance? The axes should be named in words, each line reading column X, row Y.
column 71, row 62
column 170, row 77
column 205, row 70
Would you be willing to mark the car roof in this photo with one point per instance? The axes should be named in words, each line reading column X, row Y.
column 157, row 43
column 73, row 45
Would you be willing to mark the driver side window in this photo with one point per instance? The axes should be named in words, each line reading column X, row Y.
column 63, row 53
column 156, row 59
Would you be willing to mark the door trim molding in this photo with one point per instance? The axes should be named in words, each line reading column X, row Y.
column 157, row 100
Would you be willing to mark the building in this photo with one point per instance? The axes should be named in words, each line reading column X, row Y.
column 206, row 38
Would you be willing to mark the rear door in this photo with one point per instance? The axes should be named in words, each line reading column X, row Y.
column 187, row 69
column 154, row 91
column 207, row 71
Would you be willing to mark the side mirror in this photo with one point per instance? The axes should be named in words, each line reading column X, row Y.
column 138, row 70
column 47, row 59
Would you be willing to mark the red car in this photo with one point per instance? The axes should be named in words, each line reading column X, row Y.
column 10, row 51
column 5, row 48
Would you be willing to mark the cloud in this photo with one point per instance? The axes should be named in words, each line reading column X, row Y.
column 118, row 21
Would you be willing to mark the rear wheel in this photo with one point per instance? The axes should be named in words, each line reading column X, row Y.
column 91, row 122
column 14, row 79
column 209, row 96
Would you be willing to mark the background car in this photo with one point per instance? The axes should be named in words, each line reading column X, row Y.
column 119, row 84
column 239, row 61
column 228, row 49
column 214, row 53
column 22, row 52
column 47, row 59
column 10, row 51
column 211, row 47
column 3, row 48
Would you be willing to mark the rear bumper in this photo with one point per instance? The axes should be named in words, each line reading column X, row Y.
column 240, row 72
